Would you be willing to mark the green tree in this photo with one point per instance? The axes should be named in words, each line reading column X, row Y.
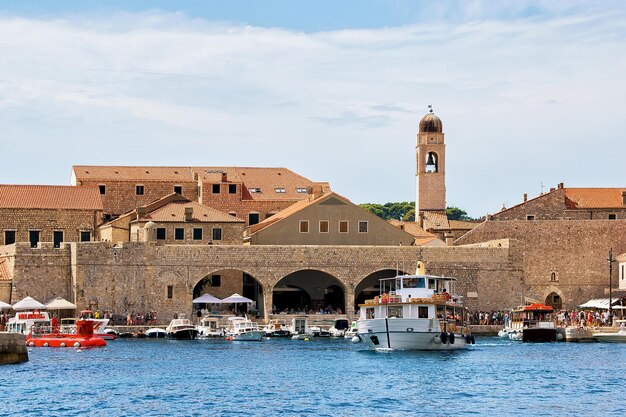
column 455, row 213
column 405, row 211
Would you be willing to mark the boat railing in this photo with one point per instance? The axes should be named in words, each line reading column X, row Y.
column 38, row 330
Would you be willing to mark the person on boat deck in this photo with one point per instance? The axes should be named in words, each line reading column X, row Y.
column 55, row 324
column 446, row 294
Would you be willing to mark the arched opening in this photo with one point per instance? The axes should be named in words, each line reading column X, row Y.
column 554, row 300
column 369, row 287
column 309, row 292
column 225, row 282
column 432, row 162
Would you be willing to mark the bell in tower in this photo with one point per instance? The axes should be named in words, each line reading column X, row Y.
column 431, row 164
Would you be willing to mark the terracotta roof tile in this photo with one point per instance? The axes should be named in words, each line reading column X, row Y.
column 435, row 221
column 50, row 197
column 132, row 173
column 586, row 198
column 4, row 270
column 175, row 212
column 412, row 228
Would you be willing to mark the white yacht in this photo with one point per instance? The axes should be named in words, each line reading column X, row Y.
column 209, row 327
column 413, row 312
column 243, row 329
column 276, row 328
column 619, row 337
column 339, row 328
column 181, row 329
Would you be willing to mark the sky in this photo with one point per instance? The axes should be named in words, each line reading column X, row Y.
column 530, row 92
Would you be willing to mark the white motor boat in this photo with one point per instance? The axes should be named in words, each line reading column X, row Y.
column 619, row 337
column 577, row 334
column 209, row 327
column 339, row 328
column 300, row 329
column 24, row 321
column 276, row 328
column 243, row 329
column 352, row 331
column 156, row 333
column 181, row 329
column 413, row 312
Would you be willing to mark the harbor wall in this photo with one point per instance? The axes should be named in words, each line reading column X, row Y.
column 12, row 348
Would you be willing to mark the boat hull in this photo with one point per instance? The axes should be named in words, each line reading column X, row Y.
column 611, row 337
column 252, row 336
column 185, row 334
column 538, row 335
column 407, row 334
column 61, row 340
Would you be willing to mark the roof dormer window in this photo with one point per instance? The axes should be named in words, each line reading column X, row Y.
column 255, row 190
column 279, row 190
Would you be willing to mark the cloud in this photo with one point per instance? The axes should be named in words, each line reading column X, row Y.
column 515, row 89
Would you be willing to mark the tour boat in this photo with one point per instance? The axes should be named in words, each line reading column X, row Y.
column 41, row 336
column 243, row 329
column 209, row 327
column 24, row 321
column 181, row 329
column 339, row 328
column 413, row 312
column 619, row 337
column 532, row 323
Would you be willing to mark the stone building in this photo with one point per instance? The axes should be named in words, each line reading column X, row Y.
column 252, row 194
column 46, row 213
column 326, row 219
column 174, row 219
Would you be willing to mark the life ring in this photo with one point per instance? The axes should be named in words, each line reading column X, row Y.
column 451, row 337
column 444, row 337
column 437, row 340
column 76, row 344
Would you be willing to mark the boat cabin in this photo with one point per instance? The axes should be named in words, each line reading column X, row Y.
column 534, row 315
column 24, row 321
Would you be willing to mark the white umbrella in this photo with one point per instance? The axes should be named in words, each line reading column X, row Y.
column 4, row 306
column 60, row 303
column 207, row 298
column 28, row 303
column 236, row 298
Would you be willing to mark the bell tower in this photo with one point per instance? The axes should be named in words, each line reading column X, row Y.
column 431, row 166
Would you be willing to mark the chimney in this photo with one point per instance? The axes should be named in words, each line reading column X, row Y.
column 624, row 198
column 224, row 177
column 141, row 212
column 420, row 219
column 551, row 189
column 449, row 239
column 560, row 185
column 525, row 197
column 315, row 191
column 188, row 214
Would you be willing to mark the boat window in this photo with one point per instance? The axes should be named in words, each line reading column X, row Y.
column 432, row 284
column 369, row 313
column 422, row 312
column 414, row 282
column 394, row 312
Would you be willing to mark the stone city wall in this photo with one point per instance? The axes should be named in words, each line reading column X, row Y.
column 12, row 348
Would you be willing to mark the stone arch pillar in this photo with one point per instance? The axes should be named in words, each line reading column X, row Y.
column 349, row 300
column 268, row 301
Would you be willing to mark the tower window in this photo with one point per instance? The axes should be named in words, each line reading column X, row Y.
column 217, row 233
column 170, row 291
column 197, row 234
column 530, row 217
column 139, row 189
column 85, row 236
column 9, row 237
column 179, row 233
column 432, row 162
column 253, row 218
column 553, row 277
column 103, row 189
column 612, row 216
column 57, row 238
column 33, row 237
column 160, row 233
column 178, row 189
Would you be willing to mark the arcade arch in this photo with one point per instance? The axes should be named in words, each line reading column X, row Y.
column 369, row 286
column 225, row 282
column 309, row 291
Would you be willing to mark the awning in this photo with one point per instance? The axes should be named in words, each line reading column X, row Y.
column 207, row 298
column 236, row 298
column 60, row 304
column 602, row 303
column 28, row 303
column 4, row 306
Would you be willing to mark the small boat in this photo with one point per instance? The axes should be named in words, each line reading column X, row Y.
column 209, row 327
column 243, row 329
column 352, row 331
column 156, row 333
column 84, row 337
column 576, row 334
column 413, row 312
column 24, row 321
column 619, row 337
column 339, row 328
column 532, row 323
column 68, row 325
column 181, row 329
column 276, row 328
column 300, row 329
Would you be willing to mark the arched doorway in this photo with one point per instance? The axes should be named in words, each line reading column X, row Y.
column 554, row 300
column 369, row 287
column 309, row 291
column 225, row 282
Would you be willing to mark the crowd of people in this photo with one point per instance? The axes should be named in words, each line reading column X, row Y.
column 489, row 317
column 582, row 318
column 306, row 310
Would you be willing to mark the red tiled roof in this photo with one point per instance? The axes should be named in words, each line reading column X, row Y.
column 412, row 228
column 132, row 173
column 4, row 270
column 586, row 198
column 175, row 212
column 50, row 197
column 436, row 221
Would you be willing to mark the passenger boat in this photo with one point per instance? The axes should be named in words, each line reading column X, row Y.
column 24, row 321
column 619, row 337
column 68, row 325
column 243, row 329
column 339, row 328
column 532, row 323
column 181, row 329
column 41, row 336
column 276, row 328
column 413, row 312
column 209, row 327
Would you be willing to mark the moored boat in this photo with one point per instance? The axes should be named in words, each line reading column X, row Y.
column 84, row 337
column 209, row 327
column 156, row 333
column 181, row 329
column 243, row 329
column 532, row 323
column 352, row 331
column 300, row 329
column 413, row 312
column 276, row 328
column 618, row 337
column 339, row 328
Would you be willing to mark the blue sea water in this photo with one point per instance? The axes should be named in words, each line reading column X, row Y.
column 316, row 378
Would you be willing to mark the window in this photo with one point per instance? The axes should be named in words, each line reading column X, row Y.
column 179, row 233
column 197, row 234
column 9, row 237
column 343, row 226
column 279, row 190
column 323, row 226
column 139, row 189
column 362, row 226
column 170, row 291
column 215, row 188
column 57, row 238
column 304, row 226
column 106, row 217
column 422, row 312
column 301, row 190
column 85, row 236
column 623, row 272
column 369, row 313
column 103, row 189
column 253, row 218
column 33, row 238
column 530, row 217
column 217, row 233
column 232, row 188
column 394, row 312
column 160, row 233
column 216, row 280
column 178, row 189
column 612, row 216
column 254, row 190
column 431, row 284
column 553, row 277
